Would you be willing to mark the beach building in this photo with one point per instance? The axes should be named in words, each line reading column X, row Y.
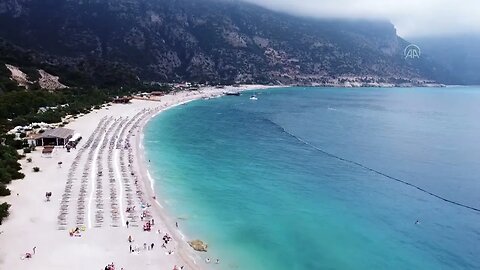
column 31, row 139
column 55, row 137
column 122, row 100
column 157, row 93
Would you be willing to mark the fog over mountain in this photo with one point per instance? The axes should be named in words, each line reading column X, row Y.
column 111, row 42
column 459, row 54
column 412, row 18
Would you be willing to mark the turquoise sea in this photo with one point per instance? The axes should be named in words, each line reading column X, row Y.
column 323, row 178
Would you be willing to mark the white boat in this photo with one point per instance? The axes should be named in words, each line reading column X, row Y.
column 253, row 97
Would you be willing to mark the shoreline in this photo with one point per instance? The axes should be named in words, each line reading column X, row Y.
column 111, row 134
column 168, row 217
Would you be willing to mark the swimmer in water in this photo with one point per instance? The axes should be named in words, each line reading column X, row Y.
column 417, row 222
column 207, row 260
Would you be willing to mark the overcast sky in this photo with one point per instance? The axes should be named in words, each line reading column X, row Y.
column 412, row 18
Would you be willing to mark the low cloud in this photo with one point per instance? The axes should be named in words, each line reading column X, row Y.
column 412, row 18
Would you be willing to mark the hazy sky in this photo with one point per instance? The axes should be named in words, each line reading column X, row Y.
column 413, row 18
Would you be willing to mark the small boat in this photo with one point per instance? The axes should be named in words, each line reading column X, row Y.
column 253, row 97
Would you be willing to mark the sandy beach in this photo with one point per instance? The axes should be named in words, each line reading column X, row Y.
column 91, row 190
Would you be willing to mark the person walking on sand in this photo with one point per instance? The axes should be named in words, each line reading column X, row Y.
column 176, row 224
column 129, row 238
column 151, row 245
column 34, row 248
column 127, row 223
column 131, row 250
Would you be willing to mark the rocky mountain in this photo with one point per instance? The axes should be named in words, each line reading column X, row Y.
column 459, row 54
column 107, row 42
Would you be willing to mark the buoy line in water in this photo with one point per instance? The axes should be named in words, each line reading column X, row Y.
column 371, row 169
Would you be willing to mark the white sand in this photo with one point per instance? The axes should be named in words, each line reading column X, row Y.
column 34, row 222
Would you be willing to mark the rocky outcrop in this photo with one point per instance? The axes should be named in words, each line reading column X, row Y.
column 49, row 81
column 198, row 245
column 18, row 76
column 45, row 80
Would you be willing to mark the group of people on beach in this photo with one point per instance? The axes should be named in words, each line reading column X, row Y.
column 145, row 247
column 29, row 255
column 147, row 226
column 166, row 238
column 111, row 266
column 208, row 260
column 76, row 232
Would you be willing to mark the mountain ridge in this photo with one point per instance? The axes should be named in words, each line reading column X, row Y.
column 207, row 41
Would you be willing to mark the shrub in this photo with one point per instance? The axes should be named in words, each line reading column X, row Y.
column 3, row 211
column 5, row 177
column 4, row 191
column 25, row 144
column 17, row 175
column 36, row 169
column 17, row 144
column 27, row 150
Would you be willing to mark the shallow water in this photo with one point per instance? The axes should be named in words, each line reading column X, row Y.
column 305, row 178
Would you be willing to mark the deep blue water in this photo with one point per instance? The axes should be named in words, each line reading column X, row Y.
column 282, row 182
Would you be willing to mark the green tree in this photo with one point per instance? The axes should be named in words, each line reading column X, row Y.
column 4, row 211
